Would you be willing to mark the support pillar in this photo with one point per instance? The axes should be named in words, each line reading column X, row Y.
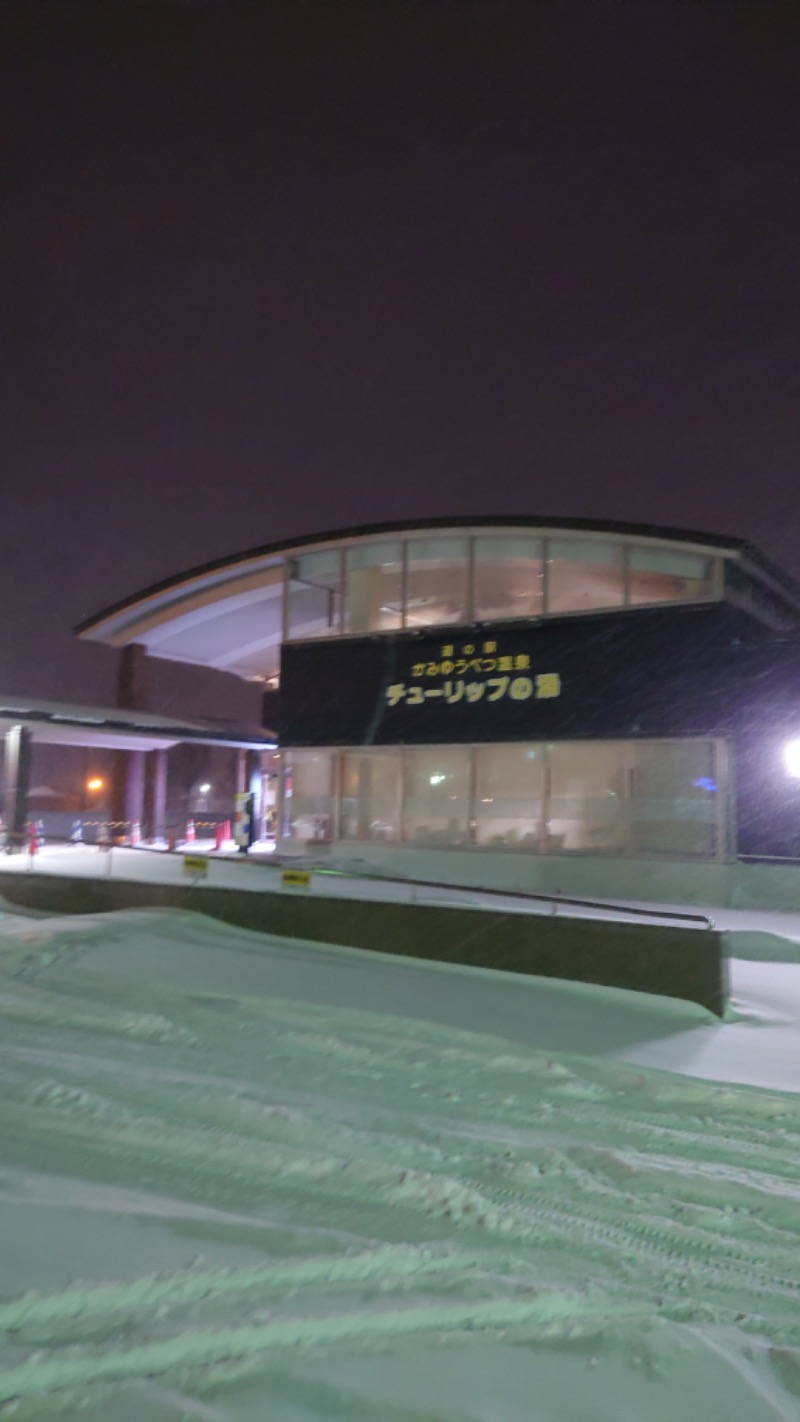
column 253, row 778
column 252, row 771
column 155, row 799
column 241, row 772
column 118, row 789
column 127, row 792
column 18, row 778
column 132, row 678
column 127, row 780
column 248, row 782
column 134, row 788
column 364, row 801
column 160, row 796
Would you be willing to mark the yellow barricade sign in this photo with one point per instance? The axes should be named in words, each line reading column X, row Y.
column 196, row 865
column 296, row 879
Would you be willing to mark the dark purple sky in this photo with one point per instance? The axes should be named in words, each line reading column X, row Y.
column 269, row 267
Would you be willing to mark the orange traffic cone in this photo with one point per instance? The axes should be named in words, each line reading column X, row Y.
column 219, row 834
column 136, row 833
column 190, row 834
column 33, row 840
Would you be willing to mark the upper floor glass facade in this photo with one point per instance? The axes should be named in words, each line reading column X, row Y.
column 365, row 586
column 234, row 614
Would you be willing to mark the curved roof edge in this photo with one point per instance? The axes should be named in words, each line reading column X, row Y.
column 409, row 526
column 712, row 541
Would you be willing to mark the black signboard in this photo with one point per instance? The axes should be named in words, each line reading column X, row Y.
column 649, row 672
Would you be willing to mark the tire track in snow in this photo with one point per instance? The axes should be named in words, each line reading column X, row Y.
column 549, row 1311
column 399, row 1264
column 604, row 1219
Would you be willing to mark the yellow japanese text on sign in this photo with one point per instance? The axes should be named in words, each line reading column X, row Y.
column 196, row 865
column 471, row 661
column 296, row 879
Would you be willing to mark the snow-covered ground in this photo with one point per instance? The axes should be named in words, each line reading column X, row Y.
column 248, row 1179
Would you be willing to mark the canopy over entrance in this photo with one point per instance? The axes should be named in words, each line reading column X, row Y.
column 139, row 739
column 54, row 723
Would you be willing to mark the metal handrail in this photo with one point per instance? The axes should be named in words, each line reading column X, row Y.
column 554, row 900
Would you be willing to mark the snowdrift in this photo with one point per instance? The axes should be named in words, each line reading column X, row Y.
column 246, row 1178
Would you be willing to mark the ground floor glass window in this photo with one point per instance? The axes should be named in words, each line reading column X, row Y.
column 436, row 794
column 589, row 797
column 586, row 804
column 675, row 798
column 370, row 795
column 508, row 804
column 308, row 794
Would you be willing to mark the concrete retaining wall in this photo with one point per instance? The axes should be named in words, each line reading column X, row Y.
column 664, row 881
column 585, row 876
column 673, row 961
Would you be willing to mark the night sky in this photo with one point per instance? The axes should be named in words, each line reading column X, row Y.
column 271, row 267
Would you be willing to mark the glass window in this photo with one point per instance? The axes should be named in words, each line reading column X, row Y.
column 583, row 573
column 315, row 595
column 586, row 809
column 436, row 590
column 374, row 587
column 509, row 791
column 436, row 781
column 370, row 807
column 667, row 575
column 308, row 794
column 509, row 575
column 674, row 797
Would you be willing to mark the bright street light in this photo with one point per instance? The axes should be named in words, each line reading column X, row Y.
column 791, row 757
column 95, row 783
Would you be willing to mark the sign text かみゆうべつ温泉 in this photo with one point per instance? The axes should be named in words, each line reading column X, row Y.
column 473, row 671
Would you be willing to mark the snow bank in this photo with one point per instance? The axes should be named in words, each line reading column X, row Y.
column 246, row 1178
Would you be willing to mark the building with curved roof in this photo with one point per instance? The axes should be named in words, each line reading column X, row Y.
column 229, row 614
column 545, row 688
